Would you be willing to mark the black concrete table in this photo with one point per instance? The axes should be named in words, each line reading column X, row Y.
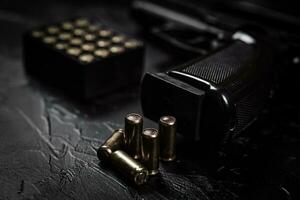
column 48, row 141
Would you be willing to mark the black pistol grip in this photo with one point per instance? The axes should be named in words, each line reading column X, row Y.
column 238, row 82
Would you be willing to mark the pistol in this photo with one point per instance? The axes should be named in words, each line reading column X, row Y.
column 217, row 96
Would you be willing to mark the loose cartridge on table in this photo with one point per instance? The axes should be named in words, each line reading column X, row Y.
column 167, row 138
column 129, row 168
column 150, row 150
column 133, row 131
column 115, row 142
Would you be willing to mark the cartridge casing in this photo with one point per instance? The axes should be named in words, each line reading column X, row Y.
column 167, row 138
column 129, row 168
column 133, row 131
column 150, row 150
column 115, row 142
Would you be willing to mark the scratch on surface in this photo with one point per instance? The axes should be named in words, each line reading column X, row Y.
column 181, row 185
column 38, row 131
column 95, row 168
column 35, row 188
column 91, row 139
column 21, row 187
column 65, row 150
column 63, row 112
column 50, row 164
column 77, row 129
column 108, row 127
column 56, row 153
column 66, row 142
column 80, row 132
column 48, row 121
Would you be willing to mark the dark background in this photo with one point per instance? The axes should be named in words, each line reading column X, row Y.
column 48, row 141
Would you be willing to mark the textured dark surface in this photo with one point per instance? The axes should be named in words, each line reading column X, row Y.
column 48, row 141
column 222, row 65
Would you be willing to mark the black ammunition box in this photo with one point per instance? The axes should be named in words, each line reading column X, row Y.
column 82, row 58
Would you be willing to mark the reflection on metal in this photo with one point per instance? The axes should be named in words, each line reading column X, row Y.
column 133, row 131
column 167, row 138
column 115, row 142
column 150, row 150
column 129, row 167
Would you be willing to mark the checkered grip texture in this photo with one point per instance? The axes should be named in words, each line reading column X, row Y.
column 242, row 71
column 223, row 64
column 248, row 107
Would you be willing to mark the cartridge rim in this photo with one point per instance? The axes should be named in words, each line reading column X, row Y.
column 134, row 118
column 103, row 53
column 86, row 58
column 168, row 120
column 65, row 36
column 67, row 26
column 93, row 28
column 131, row 44
column 89, row 37
column 105, row 33
column 88, row 47
column 37, row 34
column 141, row 177
column 103, row 153
column 49, row 40
column 74, row 51
column 78, row 32
column 53, row 30
column 116, row 49
column 61, row 46
column 150, row 133
column 118, row 38
column 82, row 22
column 76, row 41
column 103, row 43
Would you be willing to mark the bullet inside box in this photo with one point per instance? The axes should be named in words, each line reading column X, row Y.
column 83, row 58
